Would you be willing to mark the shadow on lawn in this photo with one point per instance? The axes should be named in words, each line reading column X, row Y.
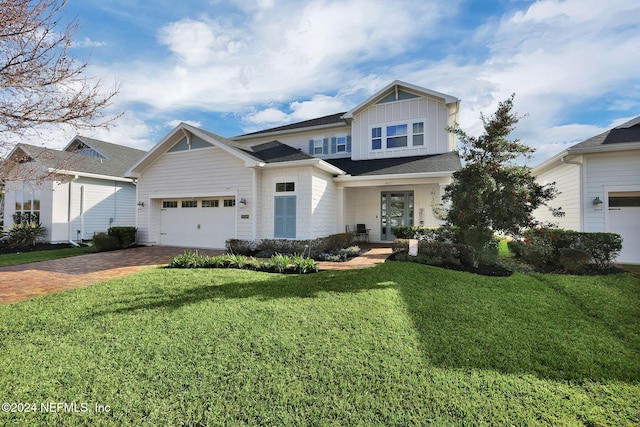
column 501, row 324
column 274, row 286
column 521, row 328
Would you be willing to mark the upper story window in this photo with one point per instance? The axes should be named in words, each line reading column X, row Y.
column 418, row 134
column 376, row 138
column 341, row 144
column 397, row 136
column 318, row 146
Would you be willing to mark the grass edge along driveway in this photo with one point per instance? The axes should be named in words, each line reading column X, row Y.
column 396, row 344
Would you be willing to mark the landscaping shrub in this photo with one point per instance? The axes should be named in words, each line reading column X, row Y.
column 439, row 234
column 437, row 253
column 573, row 260
column 486, row 245
column 541, row 247
column 313, row 248
column 105, row 242
column 26, row 234
column 126, row 235
column 516, row 247
column 278, row 263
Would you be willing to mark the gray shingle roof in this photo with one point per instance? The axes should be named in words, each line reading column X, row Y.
column 627, row 132
column 118, row 158
column 447, row 162
column 320, row 121
column 275, row 151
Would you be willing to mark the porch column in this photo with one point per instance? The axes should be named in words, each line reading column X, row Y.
column 340, row 225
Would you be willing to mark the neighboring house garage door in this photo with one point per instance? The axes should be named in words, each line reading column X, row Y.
column 624, row 219
column 199, row 223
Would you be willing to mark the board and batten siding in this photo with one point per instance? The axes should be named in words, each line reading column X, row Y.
column 203, row 172
column 433, row 112
column 567, row 178
column 607, row 170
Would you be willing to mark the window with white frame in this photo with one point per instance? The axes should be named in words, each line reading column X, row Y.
column 418, row 134
column 398, row 135
column 376, row 138
column 27, row 203
column 341, row 144
column 229, row 203
column 169, row 204
column 285, row 186
column 189, row 203
column 318, row 146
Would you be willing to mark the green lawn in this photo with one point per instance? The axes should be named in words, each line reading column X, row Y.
column 26, row 257
column 397, row 344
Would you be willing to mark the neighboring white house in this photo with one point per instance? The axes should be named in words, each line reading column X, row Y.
column 74, row 192
column 599, row 181
column 382, row 164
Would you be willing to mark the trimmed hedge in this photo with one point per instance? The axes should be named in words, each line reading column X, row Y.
column 314, row 248
column 126, row 235
column 105, row 242
column 277, row 264
column 541, row 248
column 438, row 253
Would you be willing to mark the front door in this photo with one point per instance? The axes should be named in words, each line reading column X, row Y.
column 396, row 209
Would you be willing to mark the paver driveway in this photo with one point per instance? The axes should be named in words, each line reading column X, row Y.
column 25, row 281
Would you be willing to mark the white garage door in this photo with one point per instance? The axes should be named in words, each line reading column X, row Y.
column 624, row 219
column 200, row 223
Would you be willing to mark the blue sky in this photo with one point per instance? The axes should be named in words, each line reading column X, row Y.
column 238, row 66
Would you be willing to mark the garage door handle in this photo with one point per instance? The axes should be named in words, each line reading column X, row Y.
column 615, row 209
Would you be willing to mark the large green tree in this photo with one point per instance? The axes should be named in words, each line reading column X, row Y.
column 492, row 192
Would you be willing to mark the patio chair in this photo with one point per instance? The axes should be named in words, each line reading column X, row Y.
column 352, row 232
column 362, row 232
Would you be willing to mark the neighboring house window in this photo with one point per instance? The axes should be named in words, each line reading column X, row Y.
column 210, row 203
column 376, row 138
column 285, row 217
column 229, row 203
column 167, row 204
column 27, row 204
column 319, row 146
column 285, row 186
column 189, row 203
column 396, row 136
column 418, row 134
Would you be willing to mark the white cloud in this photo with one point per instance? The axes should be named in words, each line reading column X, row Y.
column 174, row 123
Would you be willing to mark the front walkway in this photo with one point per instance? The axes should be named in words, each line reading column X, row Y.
column 20, row 282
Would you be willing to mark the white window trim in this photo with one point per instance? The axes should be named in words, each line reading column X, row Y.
column 409, row 123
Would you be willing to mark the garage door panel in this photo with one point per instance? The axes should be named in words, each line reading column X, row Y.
column 197, row 227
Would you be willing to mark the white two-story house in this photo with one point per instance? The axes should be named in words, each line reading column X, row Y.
column 384, row 163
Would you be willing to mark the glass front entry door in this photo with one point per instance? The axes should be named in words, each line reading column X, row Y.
column 396, row 209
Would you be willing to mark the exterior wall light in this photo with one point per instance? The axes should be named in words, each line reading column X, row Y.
column 243, row 201
column 597, row 203
column 141, row 204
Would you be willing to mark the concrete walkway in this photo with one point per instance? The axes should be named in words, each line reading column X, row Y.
column 25, row 281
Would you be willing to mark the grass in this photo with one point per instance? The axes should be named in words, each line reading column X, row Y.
column 26, row 257
column 397, row 344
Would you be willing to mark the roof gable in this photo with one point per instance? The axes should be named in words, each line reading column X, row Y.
column 398, row 91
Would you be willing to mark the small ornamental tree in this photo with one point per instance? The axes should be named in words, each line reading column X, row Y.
column 492, row 193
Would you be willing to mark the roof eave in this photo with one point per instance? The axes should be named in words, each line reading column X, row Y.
column 319, row 163
column 90, row 175
column 394, row 176
column 602, row 148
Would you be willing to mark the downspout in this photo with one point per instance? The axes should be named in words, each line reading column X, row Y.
column 69, row 222
column 580, row 205
column 81, row 212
